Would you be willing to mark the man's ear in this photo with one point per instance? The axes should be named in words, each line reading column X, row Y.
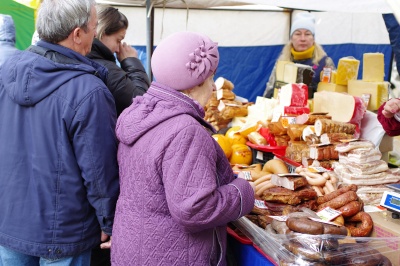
column 77, row 34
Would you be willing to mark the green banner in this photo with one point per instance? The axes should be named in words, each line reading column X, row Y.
column 24, row 19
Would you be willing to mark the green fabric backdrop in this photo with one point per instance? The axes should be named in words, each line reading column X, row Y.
column 24, row 19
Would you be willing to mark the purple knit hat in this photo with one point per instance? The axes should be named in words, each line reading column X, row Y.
column 184, row 59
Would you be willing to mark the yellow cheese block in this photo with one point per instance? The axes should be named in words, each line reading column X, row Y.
column 379, row 92
column 333, row 76
column 311, row 105
column 323, row 86
column 347, row 70
column 373, row 67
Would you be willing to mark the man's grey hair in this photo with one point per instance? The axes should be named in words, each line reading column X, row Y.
column 58, row 18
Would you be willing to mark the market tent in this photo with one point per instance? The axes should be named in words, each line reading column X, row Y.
column 250, row 38
column 23, row 13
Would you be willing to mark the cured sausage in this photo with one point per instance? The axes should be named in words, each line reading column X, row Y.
column 280, row 227
column 305, row 226
column 304, row 252
column 335, row 230
column 336, row 193
column 351, row 208
column 340, row 200
column 360, row 229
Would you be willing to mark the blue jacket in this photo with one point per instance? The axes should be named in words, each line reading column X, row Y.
column 58, row 169
column 7, row 37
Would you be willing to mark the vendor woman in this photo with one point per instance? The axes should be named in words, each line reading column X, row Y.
column 302, row 49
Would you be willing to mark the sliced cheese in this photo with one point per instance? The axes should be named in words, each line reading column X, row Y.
column 373, row 67
column 378, row 91
column 338, row 105
column 347, row 70
column 323, row 86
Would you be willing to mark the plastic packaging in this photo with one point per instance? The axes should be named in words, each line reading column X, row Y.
column 305, row 249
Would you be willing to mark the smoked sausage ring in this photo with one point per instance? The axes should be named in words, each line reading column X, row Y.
column 360, row 229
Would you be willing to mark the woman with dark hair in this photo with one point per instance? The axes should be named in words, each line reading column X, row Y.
column 129, row 80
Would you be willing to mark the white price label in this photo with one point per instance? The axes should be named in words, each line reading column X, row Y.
column 328, row 214
column 246, row 175
column 260, row 204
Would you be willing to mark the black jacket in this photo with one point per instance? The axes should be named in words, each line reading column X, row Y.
column 125, row 82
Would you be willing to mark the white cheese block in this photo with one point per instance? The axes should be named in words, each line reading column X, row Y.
column 290, row 73
column 280, row 69
column 338, row 105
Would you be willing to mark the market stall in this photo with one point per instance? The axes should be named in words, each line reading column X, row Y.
column 323, row 160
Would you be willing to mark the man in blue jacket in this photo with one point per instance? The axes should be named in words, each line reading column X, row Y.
column 58, row 167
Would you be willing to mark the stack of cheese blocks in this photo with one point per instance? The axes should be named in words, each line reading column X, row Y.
column 372, row 88
column 338, row 80
column 288, row 72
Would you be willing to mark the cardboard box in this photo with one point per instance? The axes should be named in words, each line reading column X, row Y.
column 387, row 227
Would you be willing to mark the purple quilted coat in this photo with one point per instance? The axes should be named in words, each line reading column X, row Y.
column 178, row 191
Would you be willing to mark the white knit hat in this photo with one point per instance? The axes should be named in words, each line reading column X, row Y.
column 303, row 20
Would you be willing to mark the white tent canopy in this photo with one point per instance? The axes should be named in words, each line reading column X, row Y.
column 376, row 6
column 251, row 33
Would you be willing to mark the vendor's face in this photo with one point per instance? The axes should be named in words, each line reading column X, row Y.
column 113, row 41
column 202, row 93
column 302, row 40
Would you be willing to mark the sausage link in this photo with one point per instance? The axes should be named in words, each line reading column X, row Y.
column 340, row 200
column 304, row 252
column 336, row 193
column 351, row 208
column 305, row 226
column 361, row 229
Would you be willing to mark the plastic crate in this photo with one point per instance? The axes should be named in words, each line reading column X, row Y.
column 246, row 252
column 263, row 153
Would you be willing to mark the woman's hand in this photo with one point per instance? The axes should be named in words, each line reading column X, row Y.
column 391, row 108
column 126, row 51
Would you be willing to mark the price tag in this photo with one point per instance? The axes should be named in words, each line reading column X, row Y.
column 322, row 221
column 328, row 214
column 365, row 97
column 260, row 204
column 326, row 74
column 316, row 169
column 246, row 175
column 288, row 120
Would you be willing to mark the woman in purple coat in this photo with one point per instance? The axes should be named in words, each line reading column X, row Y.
column 178, row 191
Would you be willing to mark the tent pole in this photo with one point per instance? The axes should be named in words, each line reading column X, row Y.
column 150, row 36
